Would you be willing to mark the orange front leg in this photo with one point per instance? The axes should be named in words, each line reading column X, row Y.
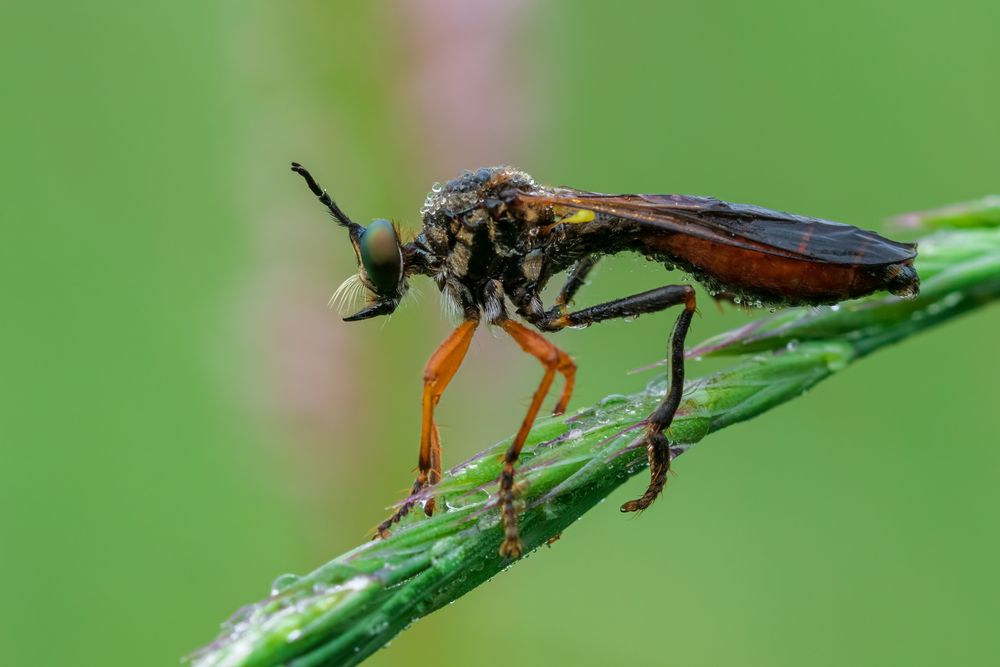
column 441, row 368
column 554, row 360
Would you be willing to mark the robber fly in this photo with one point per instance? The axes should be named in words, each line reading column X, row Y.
column 492, row 239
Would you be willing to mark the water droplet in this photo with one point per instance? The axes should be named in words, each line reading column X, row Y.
column 487, row 521
column 441, row 547
column 792, row 345
column 952, row 300
column 378, row 625
column 293, row 635
column 283, row 582
column 575, row 434
column 613, row 399
column 949, row 301
column 835, row 307
column 240, row 619
column 657, row 386
column 437, row 187
column 835, row 363
column 467, row 499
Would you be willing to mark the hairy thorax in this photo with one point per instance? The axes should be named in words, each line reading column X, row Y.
column 475, row 237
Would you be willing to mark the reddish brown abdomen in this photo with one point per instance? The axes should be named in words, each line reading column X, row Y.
column 773, row 277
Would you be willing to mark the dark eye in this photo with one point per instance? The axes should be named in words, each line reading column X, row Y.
column 381, row 256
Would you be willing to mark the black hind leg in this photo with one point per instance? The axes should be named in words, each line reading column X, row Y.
column 657, row 445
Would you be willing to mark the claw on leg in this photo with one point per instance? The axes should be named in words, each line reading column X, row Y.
column 511, row 548
column 658, row 453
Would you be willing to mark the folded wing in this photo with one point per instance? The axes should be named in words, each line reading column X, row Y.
column 739, row 225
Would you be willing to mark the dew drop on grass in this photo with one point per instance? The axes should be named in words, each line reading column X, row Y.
column 378, row 625
column 441, row 547
column 613, row 399
column 239, row 620
column 283, row 582
column 952, row 300
column 657, row 386
column 465, row 500
column 487, row 521
column 836, row 363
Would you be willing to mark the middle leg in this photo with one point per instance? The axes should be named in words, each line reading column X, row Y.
column 554, row 360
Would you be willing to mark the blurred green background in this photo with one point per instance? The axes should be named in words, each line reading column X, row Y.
column 183, row 419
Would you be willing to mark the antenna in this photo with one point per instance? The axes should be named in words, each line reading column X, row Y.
column 355, row 229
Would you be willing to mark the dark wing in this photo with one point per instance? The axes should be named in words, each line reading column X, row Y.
column 741, row 225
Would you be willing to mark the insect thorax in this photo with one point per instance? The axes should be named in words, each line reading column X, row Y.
column 471, row 232
column 472, row 189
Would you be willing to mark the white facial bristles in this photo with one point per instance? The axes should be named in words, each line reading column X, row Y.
column 349, row 295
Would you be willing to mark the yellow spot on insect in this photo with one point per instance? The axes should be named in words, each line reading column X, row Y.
column 580, row 215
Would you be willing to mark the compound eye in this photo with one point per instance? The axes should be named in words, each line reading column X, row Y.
column 381, row 256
